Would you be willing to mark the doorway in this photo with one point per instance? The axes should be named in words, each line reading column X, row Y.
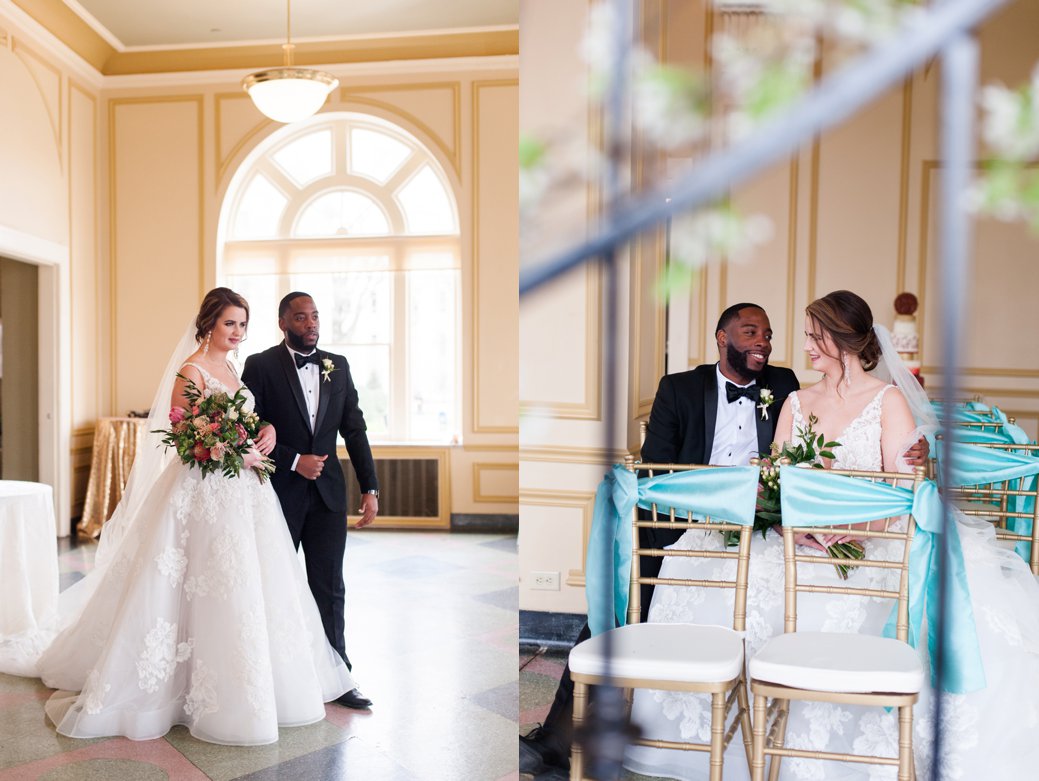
column 19, row 371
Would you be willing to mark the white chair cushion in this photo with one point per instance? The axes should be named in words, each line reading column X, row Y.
column 664, row 652
column 838, row 662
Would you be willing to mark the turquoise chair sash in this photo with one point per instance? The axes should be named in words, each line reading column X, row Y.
column 1014, row 431
column 727, row 494
column 813, row 497
column 973, row 465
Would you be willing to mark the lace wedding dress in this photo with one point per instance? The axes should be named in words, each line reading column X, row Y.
column 203, row 618
column 986, row 734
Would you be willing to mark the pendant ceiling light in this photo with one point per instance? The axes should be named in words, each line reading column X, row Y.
column 289, row 94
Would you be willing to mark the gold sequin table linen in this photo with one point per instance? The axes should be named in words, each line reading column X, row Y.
column 116, row 441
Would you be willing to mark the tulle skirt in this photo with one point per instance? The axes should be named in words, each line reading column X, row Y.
column 203, row 617
column 987, row 734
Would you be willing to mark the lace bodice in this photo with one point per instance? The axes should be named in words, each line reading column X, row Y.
column 214, row 384
column 860, row 440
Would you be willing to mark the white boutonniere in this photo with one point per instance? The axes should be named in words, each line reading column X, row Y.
column 765, row 399
column 327, row 367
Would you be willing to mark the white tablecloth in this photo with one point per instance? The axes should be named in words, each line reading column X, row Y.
column 28, row 556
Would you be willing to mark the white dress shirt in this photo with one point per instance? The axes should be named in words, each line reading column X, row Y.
column 735, row 430
column 310, row 382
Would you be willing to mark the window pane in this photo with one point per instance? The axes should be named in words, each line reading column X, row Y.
column 375, row 155
column 370, row 370
column 342, row 213
column 259, row 211
column 426, row 205
column 263, row 295
column 307, row 158
column 432, row 356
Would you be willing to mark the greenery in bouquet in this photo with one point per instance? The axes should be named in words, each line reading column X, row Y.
column 216, row 432
column 806, row 451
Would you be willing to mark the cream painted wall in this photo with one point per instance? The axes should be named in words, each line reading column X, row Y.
column 49, row 155
column 854, row 210
column 120, row 182
column 173, row 151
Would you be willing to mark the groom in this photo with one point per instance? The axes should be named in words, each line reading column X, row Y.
column 308, row 396
column 709, row 415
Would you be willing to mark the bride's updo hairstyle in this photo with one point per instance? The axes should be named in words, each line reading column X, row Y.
column 215, row 302
column 849, row 322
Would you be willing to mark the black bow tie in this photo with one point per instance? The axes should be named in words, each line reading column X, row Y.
column 733, row 392
column 303, row 360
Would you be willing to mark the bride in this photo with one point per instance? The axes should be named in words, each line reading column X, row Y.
column 987, row 733
column 197, row 611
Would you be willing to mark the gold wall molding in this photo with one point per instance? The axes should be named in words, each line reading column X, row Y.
column 65, row 25
column 474, row 320
column 590, row 408
column 32, row 59
column 573, row 455
column 452, row 152
column 569, row 500
column 479, row 468
column 928, row 167
column 903, row 183
column 432, row 46
column 222, row 162
column 75, row 261
column 62, row 22
column 113, row 250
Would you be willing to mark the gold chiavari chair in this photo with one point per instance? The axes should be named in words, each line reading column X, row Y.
column 1003, row 501
column 675, row 657
column 852, row 669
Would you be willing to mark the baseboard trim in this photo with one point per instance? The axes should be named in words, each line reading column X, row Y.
column 557, row 631
column 485, row 523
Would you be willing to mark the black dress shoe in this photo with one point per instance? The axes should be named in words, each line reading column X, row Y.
column 354, row 699
column 539, row 751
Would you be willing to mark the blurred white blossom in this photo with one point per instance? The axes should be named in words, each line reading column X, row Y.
column 716, row 234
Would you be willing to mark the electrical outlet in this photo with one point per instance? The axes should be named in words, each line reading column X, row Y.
column 546, row 581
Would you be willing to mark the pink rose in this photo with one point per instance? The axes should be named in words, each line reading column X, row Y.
column 217, row 451
column 177, row 414
column 201, row 452
column 194, row 410
column 214, row 427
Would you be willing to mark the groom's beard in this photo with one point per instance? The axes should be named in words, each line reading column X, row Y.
column 738, row 362
column 296, row 343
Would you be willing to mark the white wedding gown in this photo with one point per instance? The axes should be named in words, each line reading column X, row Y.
column 989, row 734
column 203, row 618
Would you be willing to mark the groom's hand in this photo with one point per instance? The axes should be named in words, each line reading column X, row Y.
column 369, row 509
column 266, row 440
column 310, row 466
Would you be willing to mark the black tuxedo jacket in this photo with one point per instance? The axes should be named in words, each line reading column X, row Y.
column 681, row 423
column 274, row 381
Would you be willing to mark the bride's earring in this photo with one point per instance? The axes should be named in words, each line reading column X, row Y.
column 205, row 347
column 844, row 365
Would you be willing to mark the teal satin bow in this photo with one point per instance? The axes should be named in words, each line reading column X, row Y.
column 1015, row 432
column 972, row 465
column 727, row 493
column 813, row 497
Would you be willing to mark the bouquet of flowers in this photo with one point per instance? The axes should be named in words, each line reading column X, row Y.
column 216, row 433
column 810, row 447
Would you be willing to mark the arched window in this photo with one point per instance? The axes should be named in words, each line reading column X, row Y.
column 357, row 212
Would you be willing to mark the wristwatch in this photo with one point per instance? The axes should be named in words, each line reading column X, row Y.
column 374, row 492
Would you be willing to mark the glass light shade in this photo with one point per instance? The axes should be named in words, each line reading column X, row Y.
column 289, row 94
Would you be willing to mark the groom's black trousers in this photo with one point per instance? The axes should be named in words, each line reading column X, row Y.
column 322, row 533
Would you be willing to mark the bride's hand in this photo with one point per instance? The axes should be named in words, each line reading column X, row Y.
column 809, row 541
column 251, row 458
column 917, row 455
column 266, row 439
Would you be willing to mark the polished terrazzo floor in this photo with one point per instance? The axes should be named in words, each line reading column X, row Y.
column 432, row 632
